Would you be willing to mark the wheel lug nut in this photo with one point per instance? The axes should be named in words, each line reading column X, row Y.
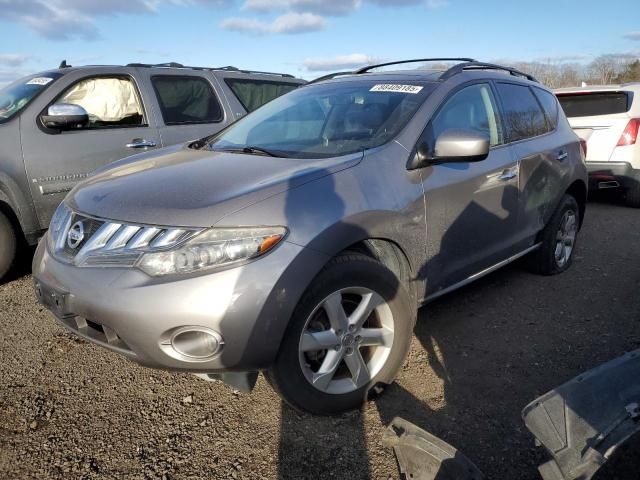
column 358, row 338
column 337, row 348
column 352, row 328
column 349, row 351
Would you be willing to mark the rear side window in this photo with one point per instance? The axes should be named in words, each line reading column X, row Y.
column 472, row 108
column 523, row 115
column 252, row 94
column 109, row 101
column 594, row 103
column 186, row 100
column 549, row 105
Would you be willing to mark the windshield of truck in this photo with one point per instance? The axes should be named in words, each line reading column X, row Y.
column 326, row 120
column 16, row 96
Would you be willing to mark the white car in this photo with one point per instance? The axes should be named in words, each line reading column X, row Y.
column 607, row 118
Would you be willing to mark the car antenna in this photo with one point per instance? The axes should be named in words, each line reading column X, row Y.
column 63, row 64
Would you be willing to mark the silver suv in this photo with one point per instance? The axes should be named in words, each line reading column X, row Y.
column 58, row 126
column 301, row 240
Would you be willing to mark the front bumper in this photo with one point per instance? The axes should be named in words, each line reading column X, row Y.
column 133, row 314
column 611, row 174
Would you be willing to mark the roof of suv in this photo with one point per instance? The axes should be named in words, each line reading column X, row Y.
column 64, row 68
column 463, row 66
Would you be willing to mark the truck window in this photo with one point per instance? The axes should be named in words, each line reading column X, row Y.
column 252, row 94
column 16, row 96
column 109, row 101
column 186, row 100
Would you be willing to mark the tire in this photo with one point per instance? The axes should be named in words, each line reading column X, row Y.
column 632, row 195
column 347, row 282
column 8, row 245
column 550, row 258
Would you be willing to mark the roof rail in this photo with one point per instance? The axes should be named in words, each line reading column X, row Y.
column 474, row 65
column 330, row 76
column 228, row 68
column 417, row 60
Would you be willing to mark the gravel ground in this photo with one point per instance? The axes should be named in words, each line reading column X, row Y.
column 71, row 410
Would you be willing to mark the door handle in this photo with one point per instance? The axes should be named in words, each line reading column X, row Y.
column 508, row 174
column 561, row 155
column 141, row 143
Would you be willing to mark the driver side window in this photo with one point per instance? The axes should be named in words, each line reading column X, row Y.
column 472, row 108
column 109, row 101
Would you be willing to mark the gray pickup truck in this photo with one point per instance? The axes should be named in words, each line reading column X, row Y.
column 58, row 126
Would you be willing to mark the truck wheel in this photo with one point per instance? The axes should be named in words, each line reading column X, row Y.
column 8, row 243
column 558, row 239
column 632, row 195
column 351, row 331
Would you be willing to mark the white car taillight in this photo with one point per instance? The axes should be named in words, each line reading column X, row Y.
column 630, row 134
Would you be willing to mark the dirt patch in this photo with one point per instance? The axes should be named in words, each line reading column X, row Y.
column 69, row 409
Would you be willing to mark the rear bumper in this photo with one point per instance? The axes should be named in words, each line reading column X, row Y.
column 603, row 175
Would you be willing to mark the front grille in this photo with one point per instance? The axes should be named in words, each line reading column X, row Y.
column 96, row 242
column 91, row 226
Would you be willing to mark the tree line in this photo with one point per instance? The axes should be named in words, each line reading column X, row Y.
column 603, row 70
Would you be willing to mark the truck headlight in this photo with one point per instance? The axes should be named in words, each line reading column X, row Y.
column 213, row 248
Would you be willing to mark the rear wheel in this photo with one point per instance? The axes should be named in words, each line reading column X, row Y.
column 8, row 245
column 558, row 239
column 350, row 332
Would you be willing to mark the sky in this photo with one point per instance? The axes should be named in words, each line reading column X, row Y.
column 308, row 38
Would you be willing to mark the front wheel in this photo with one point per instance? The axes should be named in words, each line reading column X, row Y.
column 350, row 331
column 8, row 245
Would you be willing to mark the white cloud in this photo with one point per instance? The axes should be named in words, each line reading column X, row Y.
column 323, row 7
column 290, row 23
column 67, row 19
column 340, row 62
column 632, row 36
column 14, row 59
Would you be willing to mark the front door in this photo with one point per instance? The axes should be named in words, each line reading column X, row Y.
column 118, row 126
column 472, row 207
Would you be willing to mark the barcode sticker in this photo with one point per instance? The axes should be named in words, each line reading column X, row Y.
column 391, row 87
column 39, row 81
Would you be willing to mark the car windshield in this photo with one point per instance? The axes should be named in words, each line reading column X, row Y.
column 326, row 120
column 16, row 96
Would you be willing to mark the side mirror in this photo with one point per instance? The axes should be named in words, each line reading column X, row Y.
column 65, row 116
column 453, row 145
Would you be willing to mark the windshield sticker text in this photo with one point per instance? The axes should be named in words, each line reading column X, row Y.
column 390, row 87
column 39, row 81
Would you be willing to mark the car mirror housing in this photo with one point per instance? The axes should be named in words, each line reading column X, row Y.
column 65, row 116
column 453, row 145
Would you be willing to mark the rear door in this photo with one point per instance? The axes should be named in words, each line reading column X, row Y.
column 599, row 117
column 531, row 118
column 120, row 124
column 472, row 207
column 189, row 104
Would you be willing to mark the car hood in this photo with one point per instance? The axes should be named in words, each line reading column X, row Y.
column 180, row 186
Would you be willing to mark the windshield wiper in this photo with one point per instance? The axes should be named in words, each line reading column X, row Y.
column 253, row 151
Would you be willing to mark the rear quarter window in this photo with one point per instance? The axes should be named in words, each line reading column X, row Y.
column 523, row 115
column 594, row 103
column 549, row 105
column 186, row 100
column 252, row 94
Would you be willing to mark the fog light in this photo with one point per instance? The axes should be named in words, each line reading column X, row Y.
column 197, row 343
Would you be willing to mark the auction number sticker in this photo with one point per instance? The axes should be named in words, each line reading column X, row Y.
column 392, row 87
column 39, row 81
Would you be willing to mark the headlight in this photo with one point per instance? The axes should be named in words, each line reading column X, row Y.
column 57, row 227
column 213, row 248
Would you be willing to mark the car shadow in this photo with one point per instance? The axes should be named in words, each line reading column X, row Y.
column 22, row 264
